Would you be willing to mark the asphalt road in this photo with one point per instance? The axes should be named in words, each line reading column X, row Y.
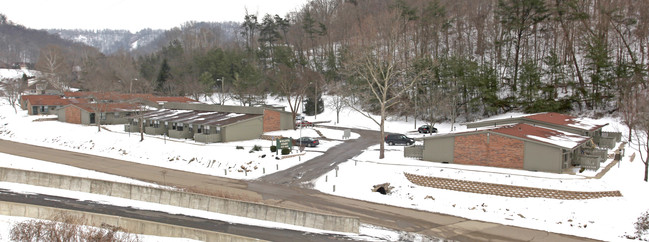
column 397, row 218
column 303, row 174
column 270, row 234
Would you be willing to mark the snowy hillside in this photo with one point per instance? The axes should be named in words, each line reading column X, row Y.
column 110, row 41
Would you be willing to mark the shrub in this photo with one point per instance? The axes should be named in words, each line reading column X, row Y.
column 65, row 227
column 642, row 225
column 256, row 148
column 273, row 148
column 239, row 147
column 286, row 151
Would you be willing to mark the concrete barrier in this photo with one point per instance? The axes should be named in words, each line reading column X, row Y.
column 185, row 199
column 134, row 226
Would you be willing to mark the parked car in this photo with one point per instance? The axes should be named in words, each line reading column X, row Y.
column 393, row 139
column 425, row 129
column 299, row 118
column 306, row 141
column 303, row 123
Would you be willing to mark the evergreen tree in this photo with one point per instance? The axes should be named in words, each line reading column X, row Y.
column 518, row 16
column 164, row 75
column 309, row 105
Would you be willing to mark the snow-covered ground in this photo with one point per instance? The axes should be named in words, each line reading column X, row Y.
column 605, row 218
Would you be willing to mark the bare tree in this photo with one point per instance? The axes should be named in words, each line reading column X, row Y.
column 385, row 81
column 642, row 131
column 338, row 98
column 292, row 84
column 11, row 89
column 124, row 69
column 52, row 62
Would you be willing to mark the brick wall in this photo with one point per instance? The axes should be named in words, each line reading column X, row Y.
column 73, row 115
column 272, row 120
column 29, row 108
column 498, row 151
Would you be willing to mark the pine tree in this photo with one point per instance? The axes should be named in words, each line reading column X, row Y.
column 163, row 76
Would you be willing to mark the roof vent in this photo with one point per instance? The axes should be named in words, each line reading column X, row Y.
column 520, row 129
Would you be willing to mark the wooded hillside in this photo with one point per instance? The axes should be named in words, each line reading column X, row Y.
column 468, row 58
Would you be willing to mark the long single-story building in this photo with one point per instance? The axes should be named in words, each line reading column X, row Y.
column 567, row 123
column 517, row 146
column 208, row 123
column 91, row 113
column 202, row 126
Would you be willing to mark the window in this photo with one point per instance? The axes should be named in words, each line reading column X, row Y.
column 52, row 107
column 173, row 126
column 206, row 130
column 156, row 124
column 218, row 130
column 117, row 114
column 199, row 129
column 191, row 128
column 102, row 116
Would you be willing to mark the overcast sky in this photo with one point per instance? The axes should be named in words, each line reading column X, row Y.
column 134, row 15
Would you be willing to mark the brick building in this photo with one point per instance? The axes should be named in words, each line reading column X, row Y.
column 516, row 146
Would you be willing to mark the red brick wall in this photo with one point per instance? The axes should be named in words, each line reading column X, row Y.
column 272, row 120
column 29, row 108
column 73, row 115
column 500, row 151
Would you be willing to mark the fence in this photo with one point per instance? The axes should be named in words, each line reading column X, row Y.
column 589, row 162
column 601, row 153
column 415, row 151
column 607, row 142
column 616, row 135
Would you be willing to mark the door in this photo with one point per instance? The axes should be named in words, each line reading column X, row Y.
column 92, row 118
column 34, row 110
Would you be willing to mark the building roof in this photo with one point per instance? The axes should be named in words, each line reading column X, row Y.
column 197, row 117
column 171, row 99
column 527, row 132
column 50, row 100
column 544, row 135
column 115, row 96
column 107, row 107
column 564, row 120
column 550, row 119
column 35, row 97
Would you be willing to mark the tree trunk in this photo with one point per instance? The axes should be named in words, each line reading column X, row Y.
column 382, row 143
column 98, row 121
column 141, row 130
column 646, row 162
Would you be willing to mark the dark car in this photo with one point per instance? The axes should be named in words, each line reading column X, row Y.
column 425, row 129
column 393, row 139
column 306, row 141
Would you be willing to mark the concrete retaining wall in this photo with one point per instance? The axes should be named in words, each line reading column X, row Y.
column 184, row 199
column 134, row 226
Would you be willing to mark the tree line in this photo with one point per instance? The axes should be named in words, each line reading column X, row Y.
column 470, row 58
